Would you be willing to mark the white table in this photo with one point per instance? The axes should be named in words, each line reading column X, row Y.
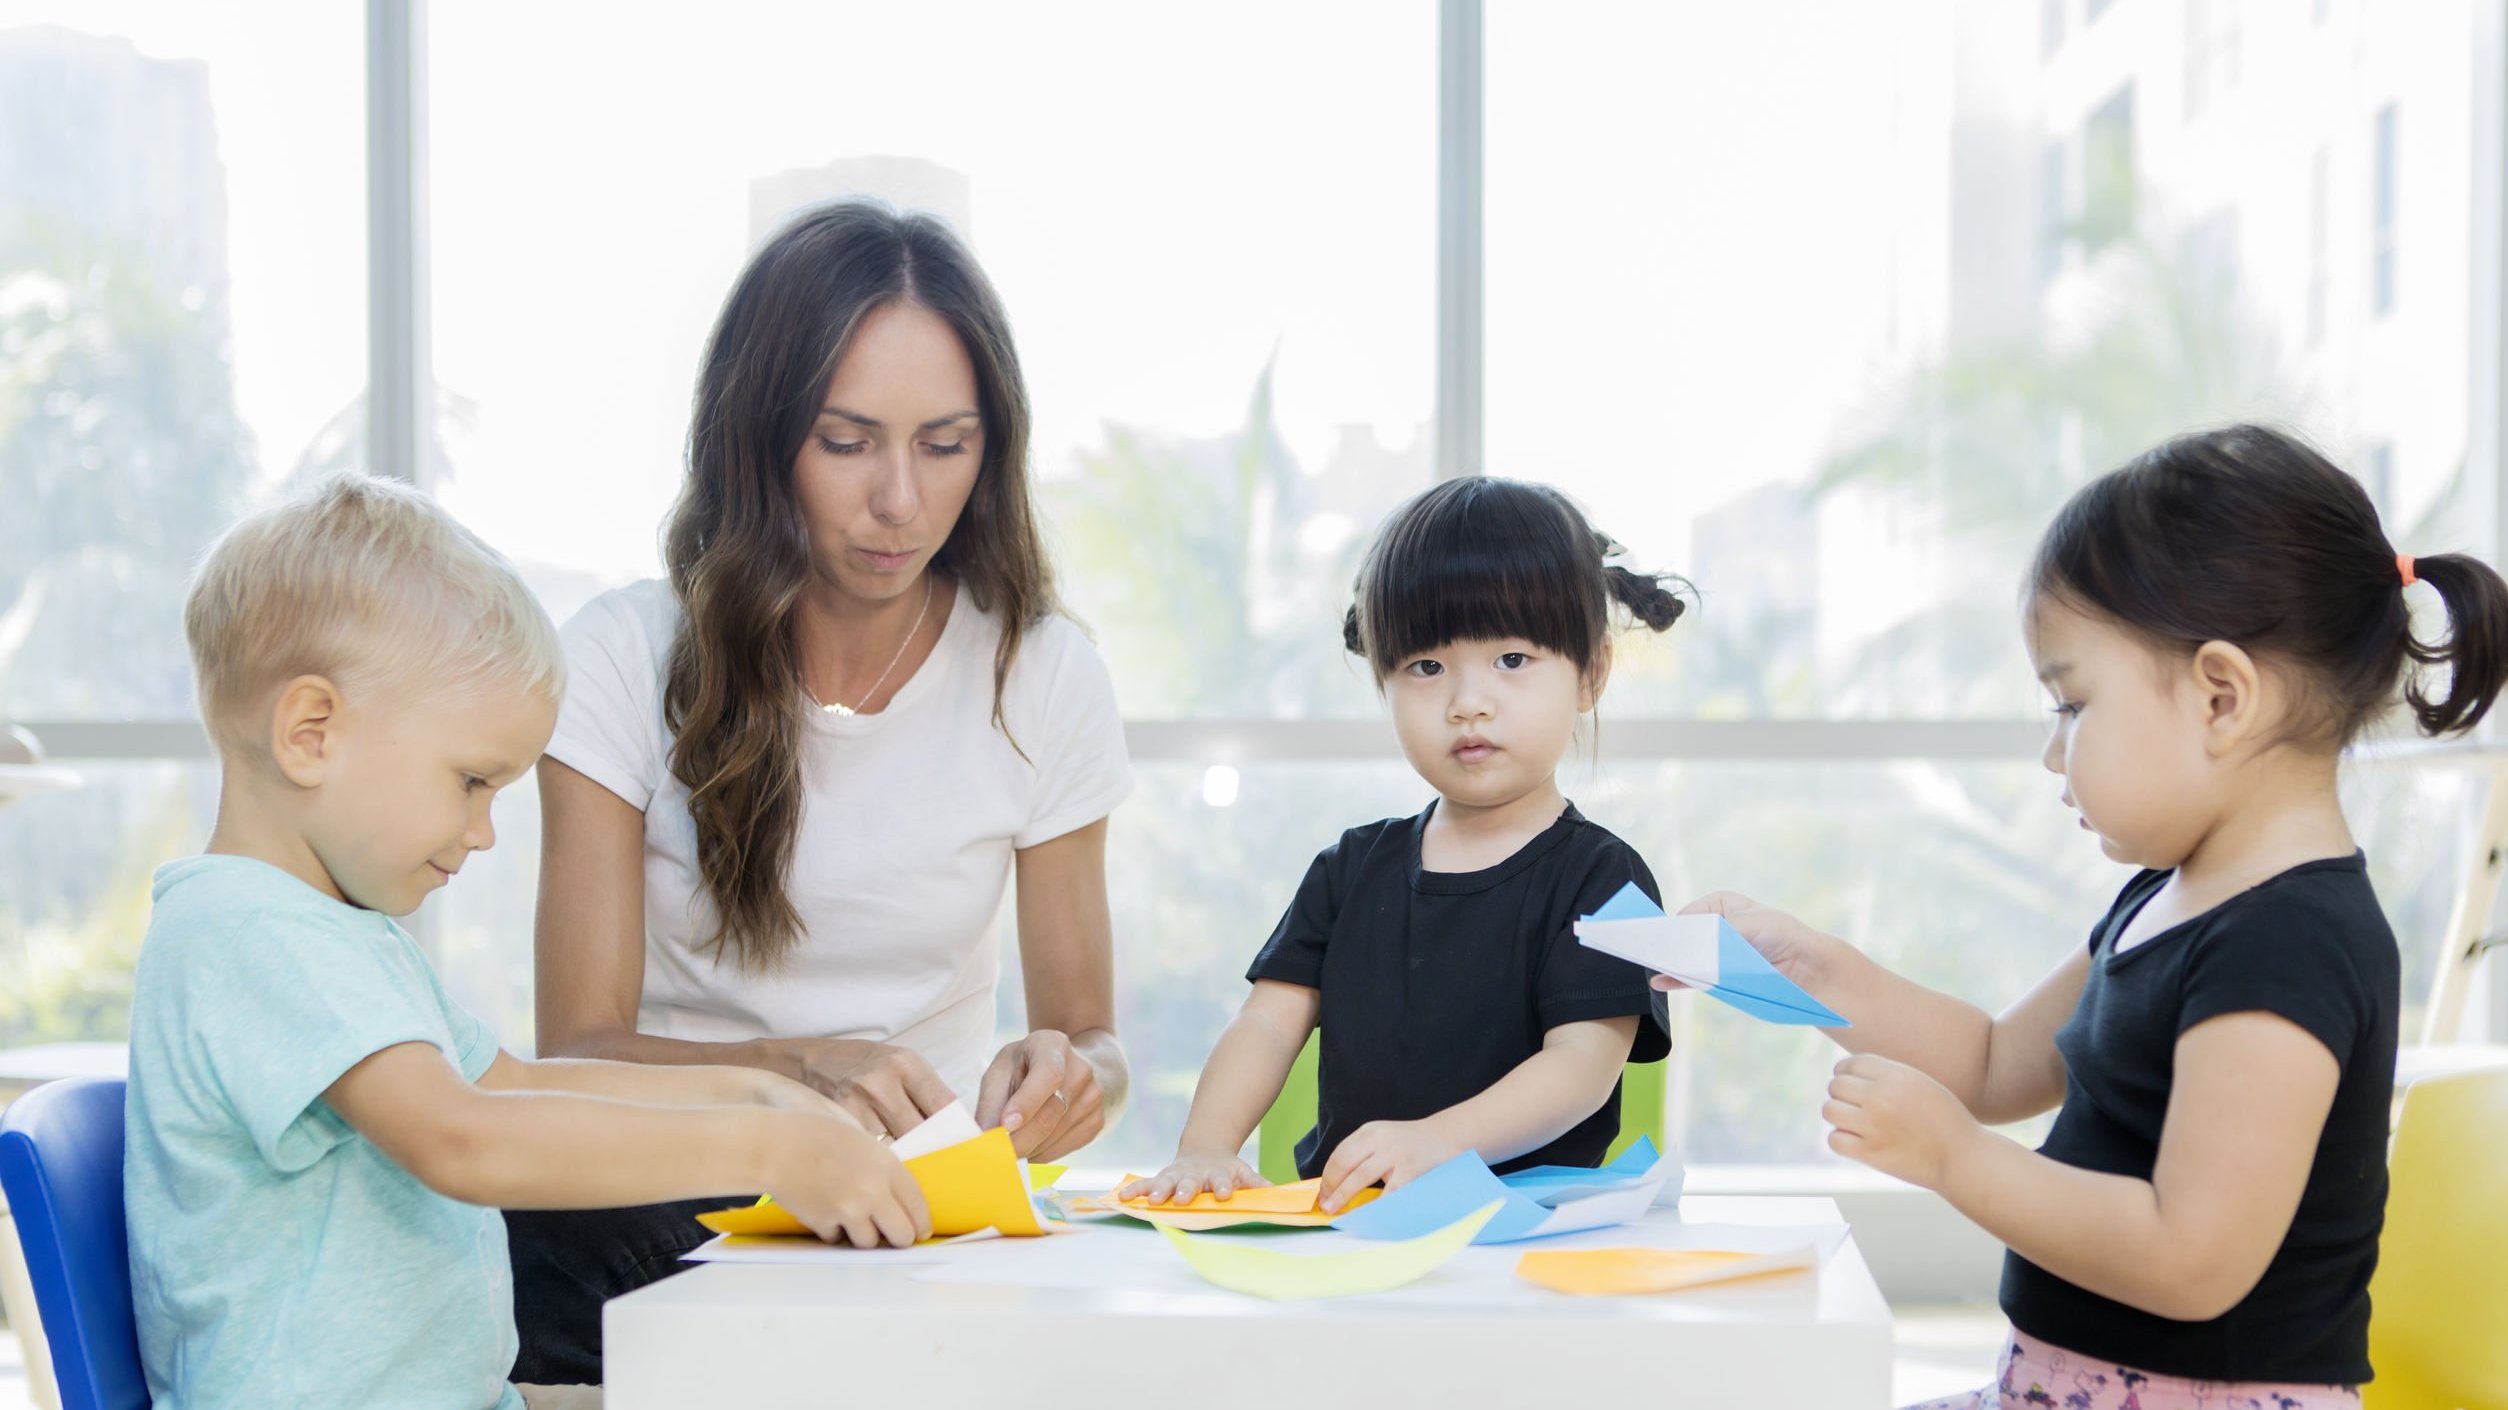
column 877, row 1333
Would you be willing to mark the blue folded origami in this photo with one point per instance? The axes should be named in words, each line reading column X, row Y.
column 1704, row 952
column 1535, row 1203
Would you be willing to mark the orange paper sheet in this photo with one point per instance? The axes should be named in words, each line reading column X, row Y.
column 1608, row 1272
column 969, row 1186
column 1298, row 1198
column 1290, row 1206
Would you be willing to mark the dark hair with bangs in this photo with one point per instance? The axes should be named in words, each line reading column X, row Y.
column 2248, row 536
column 1483, row 558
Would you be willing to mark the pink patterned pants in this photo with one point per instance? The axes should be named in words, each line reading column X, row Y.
column 2036, row 1374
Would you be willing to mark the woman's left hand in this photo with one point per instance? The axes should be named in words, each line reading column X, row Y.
column 1045, row 1094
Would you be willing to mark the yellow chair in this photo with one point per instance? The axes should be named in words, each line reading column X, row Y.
column 1293, row 1115
column 2438, row 1321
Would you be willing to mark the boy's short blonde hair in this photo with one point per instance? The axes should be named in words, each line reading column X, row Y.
column 370, row 583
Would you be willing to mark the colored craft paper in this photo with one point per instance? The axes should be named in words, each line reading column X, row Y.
column 1704, row 952
column 1464, row 1183
column 784, row 1248
column 1260, row 1270
column 1602, row 1272
column 1297, row 1198
column 1551, row 1183
column 1291, row 1206
column 969, row 1186
column 976, row 1185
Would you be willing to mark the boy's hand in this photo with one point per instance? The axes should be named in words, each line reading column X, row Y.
column 1895, row 1119
column 836, row 1178
column 1189, row 1175
column 1793, row 947
column 1392, row 1152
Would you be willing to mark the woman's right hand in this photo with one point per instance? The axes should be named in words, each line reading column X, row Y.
column 1797, row 950
column 888, row 1089
column 839, row 1180
column 1189, row 1175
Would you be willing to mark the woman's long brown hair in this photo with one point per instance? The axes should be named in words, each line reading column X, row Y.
column 738, row 550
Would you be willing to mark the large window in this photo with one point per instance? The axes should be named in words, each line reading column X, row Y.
column 182, row 327
column 182, row 296
column 1823, row 305
column 1212, row 233
column 1835, row 336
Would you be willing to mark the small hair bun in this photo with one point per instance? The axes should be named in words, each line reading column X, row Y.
column 1350, row 633
column 1647, row 596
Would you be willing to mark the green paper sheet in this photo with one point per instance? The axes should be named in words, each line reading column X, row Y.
column 1287, row 1277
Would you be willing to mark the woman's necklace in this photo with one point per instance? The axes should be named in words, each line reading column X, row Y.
column 840, row 708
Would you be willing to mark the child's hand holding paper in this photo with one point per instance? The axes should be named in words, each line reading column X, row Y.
column 1190, row 1175
column 1390, row 1153
column 1703, row 949
column 867, row 1200
column 1787, row 944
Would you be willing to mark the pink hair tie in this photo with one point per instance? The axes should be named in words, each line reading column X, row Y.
column 2403, row 565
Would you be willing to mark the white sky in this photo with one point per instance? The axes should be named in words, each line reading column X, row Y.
column 1165, row 194
column 1711, row 229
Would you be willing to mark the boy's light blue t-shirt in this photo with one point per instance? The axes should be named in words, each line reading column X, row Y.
column 277, row 1257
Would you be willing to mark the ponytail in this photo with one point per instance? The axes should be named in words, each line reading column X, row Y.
column 2474, row 649
column 1649, row 601
column 2246, row 535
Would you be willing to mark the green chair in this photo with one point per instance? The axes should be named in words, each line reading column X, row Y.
column 1293, row 1115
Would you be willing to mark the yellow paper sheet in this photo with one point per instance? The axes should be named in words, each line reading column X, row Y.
column 1261, row 1271
column 969, row 1186
column 1604, row 1272
column 976, row 1185
column 764, row 1217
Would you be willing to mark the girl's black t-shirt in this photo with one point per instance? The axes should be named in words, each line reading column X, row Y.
column 2311, row 946
column 1436, row 984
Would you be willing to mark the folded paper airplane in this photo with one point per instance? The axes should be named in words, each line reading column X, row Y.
column 1704, row 952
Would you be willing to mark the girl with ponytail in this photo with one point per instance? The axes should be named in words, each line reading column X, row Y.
column 1438, row 952
column 2214, row 621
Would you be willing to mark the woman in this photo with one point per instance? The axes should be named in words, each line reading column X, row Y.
column 788, row 784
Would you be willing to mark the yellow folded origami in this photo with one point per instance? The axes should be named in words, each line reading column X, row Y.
column 1260, row 1271
column 1291, row 1206
column 972, row 1185
column 1603, row 1272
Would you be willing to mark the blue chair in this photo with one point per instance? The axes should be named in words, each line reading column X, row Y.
column 61, row 1166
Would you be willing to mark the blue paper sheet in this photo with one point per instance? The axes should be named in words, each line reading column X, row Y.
column 1542, row 1203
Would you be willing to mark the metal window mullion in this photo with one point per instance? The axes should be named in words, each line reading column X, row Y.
column 399, row 375
column 1460, row 288
column 2486, row 447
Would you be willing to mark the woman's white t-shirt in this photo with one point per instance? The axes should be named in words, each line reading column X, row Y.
column 908, row 821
